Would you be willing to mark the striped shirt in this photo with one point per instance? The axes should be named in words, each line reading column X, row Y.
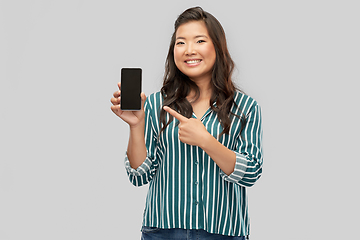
column 186, row 188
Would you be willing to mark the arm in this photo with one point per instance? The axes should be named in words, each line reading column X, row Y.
column 136, row 150
column 193, row 132
column 140, row 163
column 221, row 155
column 242, row 166
column 248, row 151
column 148, row 160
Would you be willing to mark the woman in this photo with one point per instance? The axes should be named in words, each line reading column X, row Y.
column 203, row 139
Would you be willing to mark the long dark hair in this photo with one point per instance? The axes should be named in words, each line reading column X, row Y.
column 177, row 86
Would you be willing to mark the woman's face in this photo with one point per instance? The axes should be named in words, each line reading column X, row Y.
column 194, row 51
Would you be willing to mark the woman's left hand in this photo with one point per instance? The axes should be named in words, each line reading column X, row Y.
column 191, row 130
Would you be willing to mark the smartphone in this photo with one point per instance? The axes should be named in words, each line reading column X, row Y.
column 130, row 89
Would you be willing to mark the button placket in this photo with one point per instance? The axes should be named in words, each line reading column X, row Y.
column 196, row 183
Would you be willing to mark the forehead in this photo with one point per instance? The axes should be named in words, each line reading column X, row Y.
column 191, row 29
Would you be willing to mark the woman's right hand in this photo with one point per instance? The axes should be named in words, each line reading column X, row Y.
column 133, row 118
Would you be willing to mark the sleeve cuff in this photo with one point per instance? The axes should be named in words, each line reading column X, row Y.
column 141, row 170
column 239, row 170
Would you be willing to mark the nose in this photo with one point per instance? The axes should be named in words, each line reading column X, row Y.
column 190, row 50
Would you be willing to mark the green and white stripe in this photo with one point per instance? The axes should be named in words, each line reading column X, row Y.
column 186, row 188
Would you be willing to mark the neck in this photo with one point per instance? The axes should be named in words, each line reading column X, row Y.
column 205, row 90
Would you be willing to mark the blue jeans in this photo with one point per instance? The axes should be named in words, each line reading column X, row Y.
column 151, row 233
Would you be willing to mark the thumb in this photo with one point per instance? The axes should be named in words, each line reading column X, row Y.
column 143, row 99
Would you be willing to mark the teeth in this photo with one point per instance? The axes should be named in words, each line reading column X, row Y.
column 192, row 61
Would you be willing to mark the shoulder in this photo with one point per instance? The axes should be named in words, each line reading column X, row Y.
column 245, row 103
column 154, row 101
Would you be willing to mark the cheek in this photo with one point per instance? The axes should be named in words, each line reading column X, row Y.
column 211, row 52
column 177, row 57
column 176, row 52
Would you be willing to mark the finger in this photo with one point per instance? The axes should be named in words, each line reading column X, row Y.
column 175, row 114
column 115, row 101
column 116, row 109
column 119, row 85
column 143, row 99
column 117, row 94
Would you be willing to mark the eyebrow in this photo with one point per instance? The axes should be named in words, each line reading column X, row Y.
column 197, row 36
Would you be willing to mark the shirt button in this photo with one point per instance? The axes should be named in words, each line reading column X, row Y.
column 196, row 183
column 196, row 162
column 196, row 202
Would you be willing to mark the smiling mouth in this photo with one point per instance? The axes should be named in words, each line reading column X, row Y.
column 193, row 61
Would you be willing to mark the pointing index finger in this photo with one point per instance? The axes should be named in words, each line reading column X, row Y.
column 175, row 114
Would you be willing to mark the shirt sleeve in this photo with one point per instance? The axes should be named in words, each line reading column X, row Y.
column 249, row 155
column 146, row 171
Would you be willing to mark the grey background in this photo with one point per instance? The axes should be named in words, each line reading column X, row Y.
column 61, row 160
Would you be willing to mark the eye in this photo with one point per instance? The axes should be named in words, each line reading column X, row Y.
column 201, row 41
column 179, row 43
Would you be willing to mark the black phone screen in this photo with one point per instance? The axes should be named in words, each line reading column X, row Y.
column 130, row 89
